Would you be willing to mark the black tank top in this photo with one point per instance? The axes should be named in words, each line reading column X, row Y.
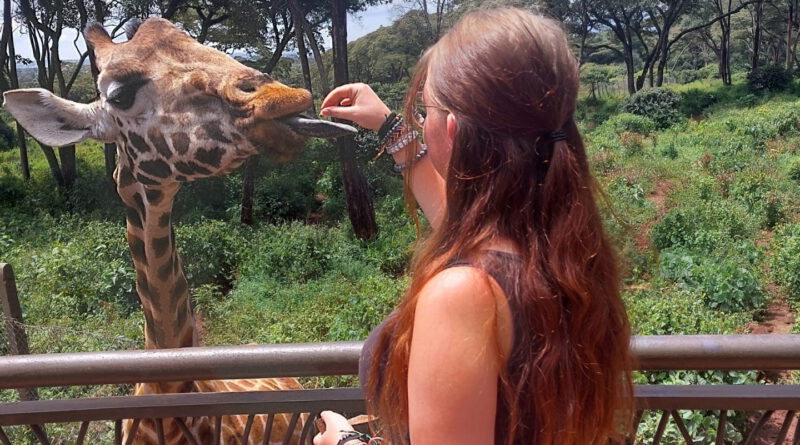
column 505, row 268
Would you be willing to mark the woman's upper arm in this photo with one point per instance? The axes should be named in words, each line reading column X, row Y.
column 454, row 361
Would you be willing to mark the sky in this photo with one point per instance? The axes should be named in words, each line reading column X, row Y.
column 358, row 25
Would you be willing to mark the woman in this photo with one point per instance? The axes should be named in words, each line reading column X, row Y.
column 512, row 330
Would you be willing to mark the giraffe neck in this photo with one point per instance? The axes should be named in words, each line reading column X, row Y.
column 160, row 280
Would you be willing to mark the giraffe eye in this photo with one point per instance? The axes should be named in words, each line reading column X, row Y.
column 123, row 97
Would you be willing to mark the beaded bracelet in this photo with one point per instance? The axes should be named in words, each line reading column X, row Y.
column 400, row 168
column 404, row 140
column 384, row 130
column 362, row 438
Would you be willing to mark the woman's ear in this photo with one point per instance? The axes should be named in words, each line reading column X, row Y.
column 451, row 128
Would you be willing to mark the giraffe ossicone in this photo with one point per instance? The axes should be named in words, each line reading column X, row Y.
column 178, row 111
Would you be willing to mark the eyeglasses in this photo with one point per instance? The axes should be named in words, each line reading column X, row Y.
column 421, row 109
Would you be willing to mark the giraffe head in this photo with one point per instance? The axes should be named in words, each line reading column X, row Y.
column 178, row 110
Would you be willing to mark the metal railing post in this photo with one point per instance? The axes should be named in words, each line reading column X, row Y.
column 17, row 339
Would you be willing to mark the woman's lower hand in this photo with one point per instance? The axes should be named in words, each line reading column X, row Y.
column 335, row 423
column 356, row 102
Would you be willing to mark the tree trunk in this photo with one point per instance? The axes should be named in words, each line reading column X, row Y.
column 52, row 162
column 276, row 56
column 629, row 69
column 110, row 155
column 68, row 170
column 23, row 153
column 301, row 51
column 359, row 202
column 757, row 14
column 323, row 70
column 724, row 52
column 248, row 187
column 789, row 26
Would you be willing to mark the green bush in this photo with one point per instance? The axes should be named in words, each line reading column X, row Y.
column 757, row 193
column 674, row 310
column 298, row 252
column 209, row 250
column 747, row 101
column 632, row 123
column 703, row 228
column 694, row 101
column 729, row 283
column 768, row 78
column 84, row 271
column 794, row 170
column 658, row 104
column 785, row 259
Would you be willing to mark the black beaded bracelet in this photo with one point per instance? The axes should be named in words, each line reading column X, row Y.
column 399, row 168
column 387, row 125
column 353, row 435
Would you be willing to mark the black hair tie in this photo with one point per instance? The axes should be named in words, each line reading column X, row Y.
column 558, row 135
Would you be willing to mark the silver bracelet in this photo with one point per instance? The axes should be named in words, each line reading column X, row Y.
column 402, row 142
column 399, row 168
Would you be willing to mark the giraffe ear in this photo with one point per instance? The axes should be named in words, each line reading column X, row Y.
column 55, row 121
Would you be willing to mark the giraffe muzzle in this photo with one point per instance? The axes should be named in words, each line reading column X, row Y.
column 317, row 128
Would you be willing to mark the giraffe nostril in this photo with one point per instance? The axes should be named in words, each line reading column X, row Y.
column 247, row 86
column 252, row 83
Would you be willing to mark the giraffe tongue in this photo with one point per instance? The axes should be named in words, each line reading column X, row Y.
column 318, row 128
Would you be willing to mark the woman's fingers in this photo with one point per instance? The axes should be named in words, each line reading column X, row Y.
column 339, row 93
column 357, row 103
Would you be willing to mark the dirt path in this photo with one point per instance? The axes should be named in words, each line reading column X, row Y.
column 659, row 199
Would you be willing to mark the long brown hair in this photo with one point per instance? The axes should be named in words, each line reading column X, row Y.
column 510, row 79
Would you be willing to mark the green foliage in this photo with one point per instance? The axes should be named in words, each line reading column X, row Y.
column 209, row 249
column 84, row 272
column 633, row 123
column 785, row 259
column 724, row 284
column 703, row 227
column 794, row 170
column 658, row 104
column 768, row 78
column 694, row 101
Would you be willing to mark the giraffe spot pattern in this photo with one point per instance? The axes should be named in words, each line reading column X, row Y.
column 158, row 141
column 165, row 270
column 137, row 197
column 180, row 142
column 145, row 180
column 210, row 156
column 191, row 168
column 153, row 196
column 163, row 220
column 138, row 142
column 133, row 217
column 125, row 178
column 136, row 246
column 180, row 178
column 119, row 122
column 156, row 167
column 213, row 131
column 182, row 314
column 167, row 121
column 181, row 287
column 160, row 246
column 150, row 325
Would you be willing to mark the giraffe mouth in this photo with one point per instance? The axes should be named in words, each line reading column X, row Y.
column 308, row 126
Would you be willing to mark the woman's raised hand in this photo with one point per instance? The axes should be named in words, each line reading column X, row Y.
column 356, row 102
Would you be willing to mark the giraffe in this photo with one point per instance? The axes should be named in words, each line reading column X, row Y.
column 178, row 111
